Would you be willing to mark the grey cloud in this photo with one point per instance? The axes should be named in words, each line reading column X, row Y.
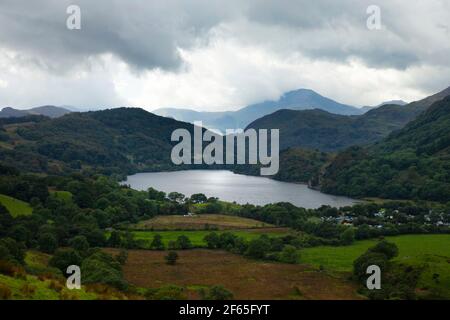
column 146, row 34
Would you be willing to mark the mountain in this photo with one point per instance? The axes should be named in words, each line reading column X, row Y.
column 115, row 141
column 48, row 111
column 397, row 102
column 318, row 129
column 412, row 163
column 8, row 112
column 301, row 99
column 391, row 102
column 214, row 120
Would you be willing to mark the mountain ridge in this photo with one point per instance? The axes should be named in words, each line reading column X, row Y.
column 301, row 99
column 412, row 163
column 318, row 129
column 48, row 111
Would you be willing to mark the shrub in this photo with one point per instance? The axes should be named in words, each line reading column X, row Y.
column 258, row 248
column 79, row 243
column 122, row 257
column 183, row 242
column 114, row 239
column 367, row 259
column 7, row 268
column 48, row 243
column 102, row 268
column 348, row 236
column 212, row 240
column 389, row 249
column 64, row 258
column 5, row 293
column 289, row 254
column 166, row 293
column 28, row 290
column 171, row 258
column 64, row 295
column 55, row 285
column 219, row 293
column 157, row 243
column 11, row 250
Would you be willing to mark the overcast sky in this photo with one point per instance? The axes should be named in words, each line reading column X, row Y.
column 220, row 55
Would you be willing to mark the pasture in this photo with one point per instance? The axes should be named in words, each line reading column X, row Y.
column 431, row 252
column 196, row 237
column 15, row 207
column 199, row 222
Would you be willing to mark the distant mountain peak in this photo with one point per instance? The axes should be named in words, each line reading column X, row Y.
column 48, row 111
column 299, row 99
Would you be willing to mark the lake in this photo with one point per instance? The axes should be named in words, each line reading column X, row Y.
column 229, row 186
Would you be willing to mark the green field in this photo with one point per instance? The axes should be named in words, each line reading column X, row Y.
column 40, row 290
column 432, row 252
column 199, row 222
column 15, row 207
column 196, row 237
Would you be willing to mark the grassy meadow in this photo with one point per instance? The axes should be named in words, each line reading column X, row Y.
column 15, row 207
column 196, row 237
column 431, row 252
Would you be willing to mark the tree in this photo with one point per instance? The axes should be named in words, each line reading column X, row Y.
column 348, row 236
column 154, row 194
column 378, row 255
column 171, row 258
column 212, row 240
column 79, row 243
column 101, row 267
column 198, row 198
column 64, row 258
column 183, row 242
column 367, row 259
column 20, row 233
column 213, row 207
column 48, row 243
column 114, row 239
column 157, row 243
column 389, row 249
column 289, row 254
column 11, row 250
column 128, row 241
column 122, row 257
column 258, row 248
column 176, row 197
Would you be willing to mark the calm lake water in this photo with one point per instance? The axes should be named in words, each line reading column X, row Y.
column 229, row 186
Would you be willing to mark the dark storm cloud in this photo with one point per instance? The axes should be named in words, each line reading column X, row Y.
column 146, row 34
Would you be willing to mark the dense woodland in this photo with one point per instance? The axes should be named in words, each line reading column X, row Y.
column 413, row 163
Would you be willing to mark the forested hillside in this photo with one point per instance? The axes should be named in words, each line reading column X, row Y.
column 413, row 163
column 116, row 140
column 318, row 129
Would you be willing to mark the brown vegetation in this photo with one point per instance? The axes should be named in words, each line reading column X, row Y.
column 246, row 279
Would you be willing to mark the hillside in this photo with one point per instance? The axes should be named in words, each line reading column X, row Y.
column 301, row 99
column 115, row 140
column 317, row 129
column 48, row 111
column 390, row 102
column 413, row 163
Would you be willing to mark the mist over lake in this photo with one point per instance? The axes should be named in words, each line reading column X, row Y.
column 229, row 186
